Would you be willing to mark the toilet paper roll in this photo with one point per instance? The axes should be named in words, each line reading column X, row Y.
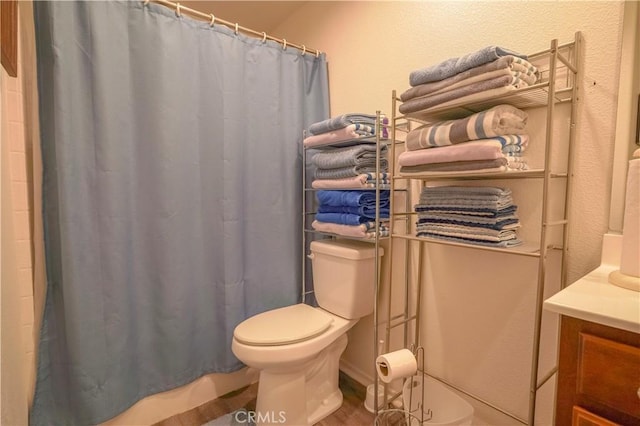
column 396, row 365
column 630, row 260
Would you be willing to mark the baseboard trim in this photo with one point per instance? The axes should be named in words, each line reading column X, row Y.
column 356, row 373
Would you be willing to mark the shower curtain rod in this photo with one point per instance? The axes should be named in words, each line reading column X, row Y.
column 210, row 17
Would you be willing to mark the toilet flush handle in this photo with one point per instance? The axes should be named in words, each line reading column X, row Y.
column 311, row 256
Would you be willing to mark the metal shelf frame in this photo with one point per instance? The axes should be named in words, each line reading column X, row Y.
column 553, row 89
column 309, row 234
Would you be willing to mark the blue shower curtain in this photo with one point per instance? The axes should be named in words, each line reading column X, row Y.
column 172, row 197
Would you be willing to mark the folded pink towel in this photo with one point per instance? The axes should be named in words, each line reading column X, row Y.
column 352, row 131
column 357, row 231
column 487, row 149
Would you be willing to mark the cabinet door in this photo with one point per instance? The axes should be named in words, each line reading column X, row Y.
column 582, row 417
column 609, row 373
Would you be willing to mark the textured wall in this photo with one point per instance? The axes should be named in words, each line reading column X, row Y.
column 16, row 310
column 477, row 318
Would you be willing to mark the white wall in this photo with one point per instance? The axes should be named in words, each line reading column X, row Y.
column 372, row 47
column 478, row 306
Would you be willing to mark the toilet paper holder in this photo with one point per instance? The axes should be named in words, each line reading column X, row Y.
column 424, row 414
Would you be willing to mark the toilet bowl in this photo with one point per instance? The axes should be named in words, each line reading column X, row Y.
column 298, row 382
column 297, row 348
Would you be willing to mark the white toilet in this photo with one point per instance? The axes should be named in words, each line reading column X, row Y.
column 297, row 348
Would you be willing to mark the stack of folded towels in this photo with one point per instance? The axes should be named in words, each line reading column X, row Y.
column 352, row 213
column 343, row 129
column 488, row 72
column 485, row 142
column 351, row 167
column 468, row 214
column 346, row 166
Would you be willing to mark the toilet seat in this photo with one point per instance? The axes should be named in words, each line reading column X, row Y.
column 283, row 326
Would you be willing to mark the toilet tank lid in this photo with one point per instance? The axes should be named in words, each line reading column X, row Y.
column 347, row 249
column 282, row 326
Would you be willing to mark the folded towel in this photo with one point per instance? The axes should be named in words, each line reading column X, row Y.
column 518, row 67
column 510, row 221
column 350, row 198
column 342, row 218
column 466, row 231
column 365, row 211
column 454, row 66
column 455, row 166
column 515, row 149
column 517, row 162
column 357, row 155
column 486, row 212
column 485, row 149
column 497, row 121
column 518, row 79
column 470, row 240
column 347, row 172
column 425, row 102
column 365, row 230
column 351, row 132
column 344, row 120
column 452, row 190
column 364, row 180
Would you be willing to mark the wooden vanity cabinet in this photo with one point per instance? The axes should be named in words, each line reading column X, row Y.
column 598, row 375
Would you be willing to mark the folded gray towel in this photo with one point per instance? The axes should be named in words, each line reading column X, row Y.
column 349, row 156
column 341, row 121
column 454, row 66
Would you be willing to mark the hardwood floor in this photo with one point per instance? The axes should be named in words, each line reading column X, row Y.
column 352, row 412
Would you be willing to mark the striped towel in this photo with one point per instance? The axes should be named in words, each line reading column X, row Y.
column 498, row 121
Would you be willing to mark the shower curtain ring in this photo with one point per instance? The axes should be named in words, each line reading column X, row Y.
column 284, row 44
column 178, row 13
column 304, row 50
column 264, row 37
column 213, row 20
column 146, row 2
column 317, row 53
column 236, row 28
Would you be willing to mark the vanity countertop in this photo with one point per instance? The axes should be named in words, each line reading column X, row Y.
column 592, row 298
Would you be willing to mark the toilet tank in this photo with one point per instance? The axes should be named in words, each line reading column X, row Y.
column 344, row 276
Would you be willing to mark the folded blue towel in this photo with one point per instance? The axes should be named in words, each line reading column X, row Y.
column 454, row 66
column 342, row 218
column 350, row 198
column 365, row 211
